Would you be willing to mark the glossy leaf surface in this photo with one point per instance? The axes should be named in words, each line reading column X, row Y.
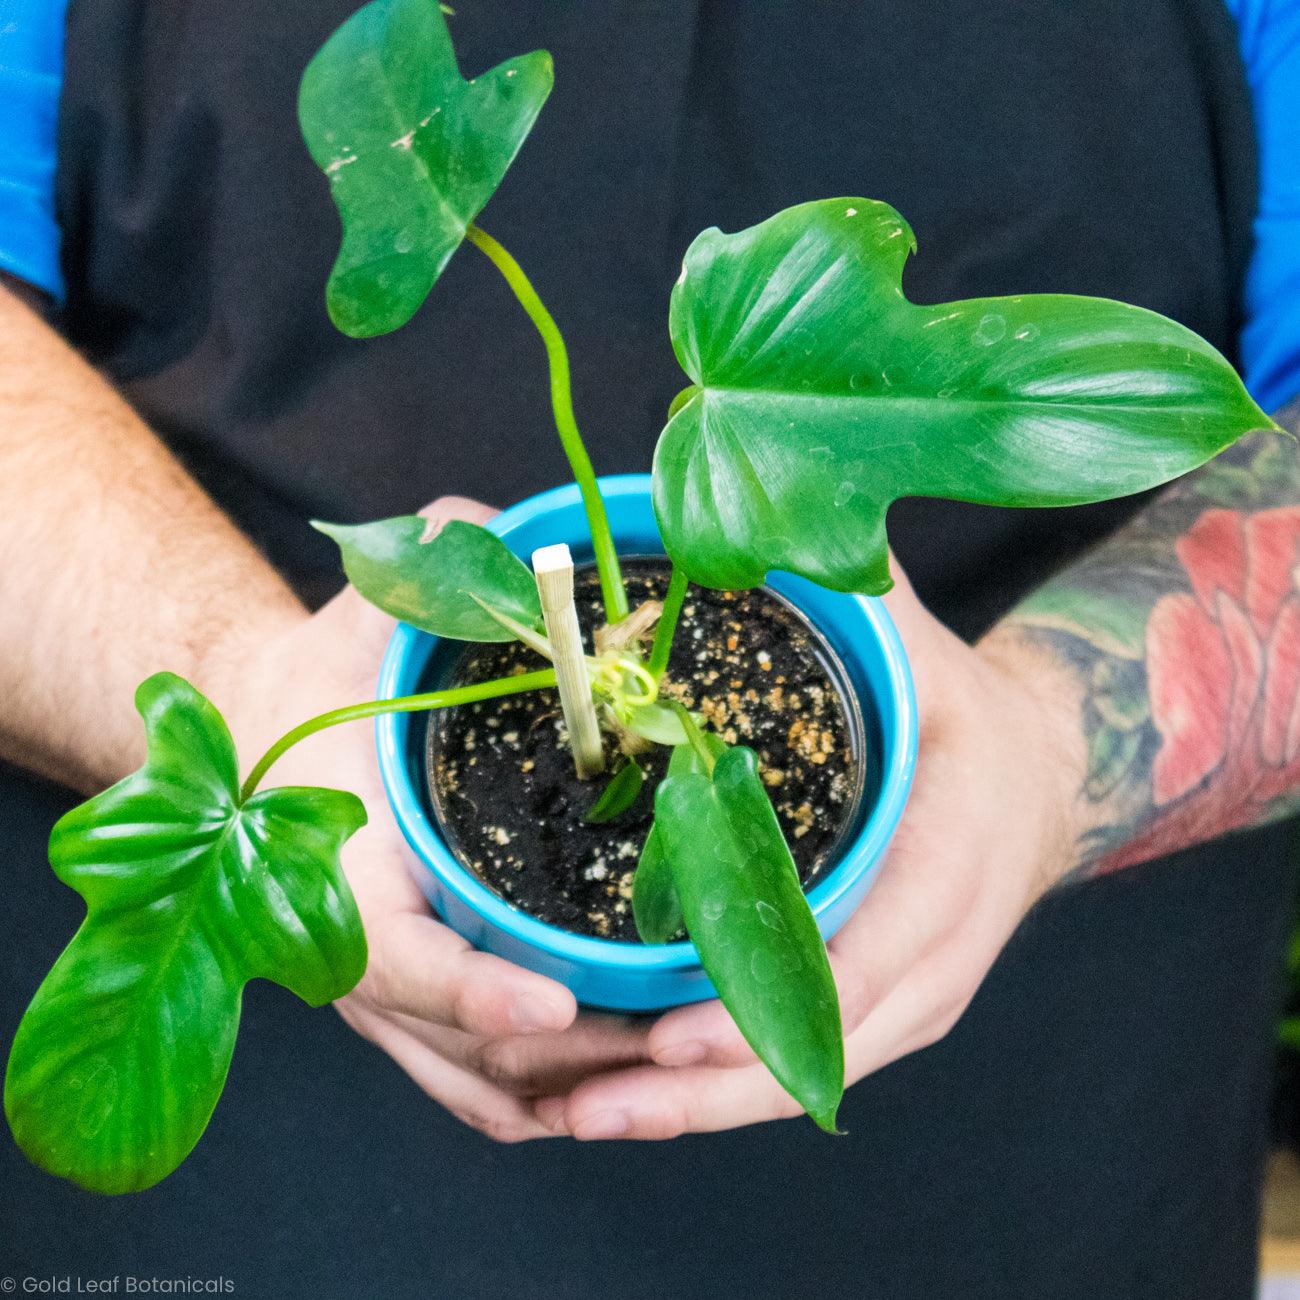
column 619, row 794
column 655, row 907
column 412, row 151
column 433, row 584
column 751, row 924
column 120, row 1058
column 823, row 395
column 657, row 722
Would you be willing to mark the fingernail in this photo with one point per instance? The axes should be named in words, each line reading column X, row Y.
column 604, row 1124
column 531, row 1014
column 676, row 1054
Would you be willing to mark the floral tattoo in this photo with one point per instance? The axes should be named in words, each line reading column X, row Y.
column 1184, row 629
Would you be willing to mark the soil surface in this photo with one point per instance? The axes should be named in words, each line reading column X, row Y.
column 512, row 808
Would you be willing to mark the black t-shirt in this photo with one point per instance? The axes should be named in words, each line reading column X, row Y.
column 1093, row 1127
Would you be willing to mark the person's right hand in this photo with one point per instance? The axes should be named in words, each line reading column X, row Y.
column 478, row 1034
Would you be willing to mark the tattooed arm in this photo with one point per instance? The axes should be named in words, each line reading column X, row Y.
column 1183, row 630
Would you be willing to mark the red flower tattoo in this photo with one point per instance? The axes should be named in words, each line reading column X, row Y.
column 1223, row 670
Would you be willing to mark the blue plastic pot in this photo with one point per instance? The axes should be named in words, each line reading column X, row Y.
column 631, row 976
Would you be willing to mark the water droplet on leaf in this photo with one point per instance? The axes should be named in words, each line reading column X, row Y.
column 990, row 329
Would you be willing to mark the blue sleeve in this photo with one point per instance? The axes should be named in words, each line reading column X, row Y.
column 31, row 72
column 1270, row 343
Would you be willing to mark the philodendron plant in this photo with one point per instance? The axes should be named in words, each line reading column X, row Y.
column 817, row 395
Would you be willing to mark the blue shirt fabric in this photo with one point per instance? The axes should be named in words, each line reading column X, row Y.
column 1270, row 342
column 31, row 62
column 31, row 72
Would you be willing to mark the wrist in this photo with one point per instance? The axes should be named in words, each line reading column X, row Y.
column 1040, row 707
column 245, row 673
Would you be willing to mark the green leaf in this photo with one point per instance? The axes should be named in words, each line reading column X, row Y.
column 433, row 585
column 655, row 907
column 120, row 1058
column 685, row 759
column 412, row 151
column 749, row 920
column 824, row 395
column 619, row 794
column 1288, row 1033
column 656, row 722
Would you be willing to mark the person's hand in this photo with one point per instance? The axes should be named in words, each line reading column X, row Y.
column 478, row 1034
column 989, row 827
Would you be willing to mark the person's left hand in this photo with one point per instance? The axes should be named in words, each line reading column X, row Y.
column 990, row 825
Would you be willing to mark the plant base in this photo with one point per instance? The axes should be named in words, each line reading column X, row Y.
column 503, row 786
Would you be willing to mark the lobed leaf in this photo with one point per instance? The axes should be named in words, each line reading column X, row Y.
column 122, row 1054
column 412, row 151
column 822, row 396
column 438, row 584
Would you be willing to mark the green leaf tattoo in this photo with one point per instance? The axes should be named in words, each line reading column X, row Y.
column 823, row 395
column 121, row 1057
column 752, row 926
column 412, row 152
column 438, row 585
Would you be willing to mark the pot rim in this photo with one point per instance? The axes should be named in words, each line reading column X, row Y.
column 857, row 855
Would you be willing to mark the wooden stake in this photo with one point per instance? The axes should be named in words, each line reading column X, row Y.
column 553, row 569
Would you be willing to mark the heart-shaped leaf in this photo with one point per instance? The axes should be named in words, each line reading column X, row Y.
column 823, row 395
column 655, row 907
column 122, row 1055
column 442, row 584
column 752, row 926
column 619, row 794
column 412, row 151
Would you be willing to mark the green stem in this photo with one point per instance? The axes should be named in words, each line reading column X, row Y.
column 663, row 643
column 403, row 704
column 557, row 358
column 695, row 736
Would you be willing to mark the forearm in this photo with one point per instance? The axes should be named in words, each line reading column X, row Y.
column 1182, row 636
column 113, row 565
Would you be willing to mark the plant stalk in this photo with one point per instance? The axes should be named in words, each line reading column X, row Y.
column 695, row 736
column 557, row 357
column 667, row 626
column 402, row 704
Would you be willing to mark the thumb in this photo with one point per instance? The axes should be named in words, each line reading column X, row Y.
column 445, row 509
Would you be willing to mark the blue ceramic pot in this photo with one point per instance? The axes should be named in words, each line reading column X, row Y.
column 632, row 976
